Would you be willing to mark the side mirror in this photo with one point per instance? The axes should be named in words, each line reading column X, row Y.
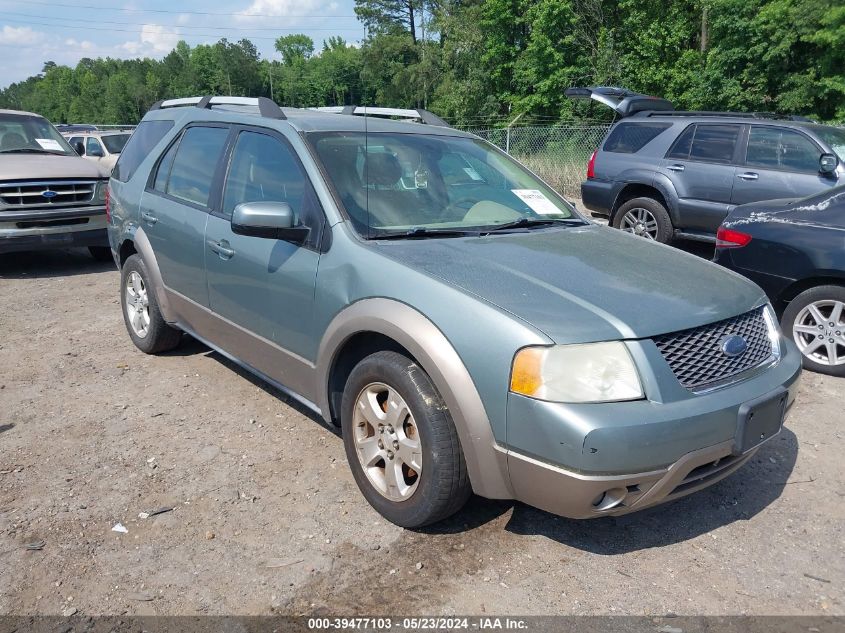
column 96, row 152
column 79, row 148
column 828, row 163
column 273, row 220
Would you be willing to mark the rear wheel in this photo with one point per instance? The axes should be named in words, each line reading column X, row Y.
column 816, row 321
column 146, row 327
column 645, row 217
column 401, row 443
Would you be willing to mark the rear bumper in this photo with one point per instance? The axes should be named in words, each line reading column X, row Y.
column 598, row 195
column 36, row 229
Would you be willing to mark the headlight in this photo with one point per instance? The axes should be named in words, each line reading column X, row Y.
column 594, row 372
column 102, row 187
column 771, row 319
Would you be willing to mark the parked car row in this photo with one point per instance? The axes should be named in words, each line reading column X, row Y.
column 767, row 190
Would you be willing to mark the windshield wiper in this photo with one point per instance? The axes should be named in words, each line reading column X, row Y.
column 532, row 222
column 30, row 150
column 420, row 232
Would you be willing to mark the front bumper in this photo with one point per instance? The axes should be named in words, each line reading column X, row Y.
column 585, row 461
column 38, row 229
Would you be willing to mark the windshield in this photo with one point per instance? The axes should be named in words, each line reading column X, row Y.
column 114, row 142
column 834, row 137
column 398, row 183
column 23, row 134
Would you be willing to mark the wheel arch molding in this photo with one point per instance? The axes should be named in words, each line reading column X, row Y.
column 417, row 336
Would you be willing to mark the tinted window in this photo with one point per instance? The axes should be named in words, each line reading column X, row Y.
column 714, row 143
column 682, row 144
column 145, row 137
column 164, row 166
column 780, row 148
column 628, row 138
column 73, row 140
column 115, row 142
column 194, row 164
column 264, row 169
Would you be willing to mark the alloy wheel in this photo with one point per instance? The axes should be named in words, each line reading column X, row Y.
column 137, row 304
column 819, row 332
column 387, row 441
column 640, row 222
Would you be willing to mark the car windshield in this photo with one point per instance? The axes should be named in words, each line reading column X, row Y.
column 421, row 185
column 834, row 137
column 114, row 142
column 30, row 134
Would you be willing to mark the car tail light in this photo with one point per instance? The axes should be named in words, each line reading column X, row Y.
column 108, row 206
column 728, row 238
column 591, row 166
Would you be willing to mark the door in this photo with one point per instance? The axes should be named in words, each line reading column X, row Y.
column 700, row 164
column 174, row 209
column 262, row 285
column 779, row 162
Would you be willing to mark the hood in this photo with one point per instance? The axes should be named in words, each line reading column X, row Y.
column 584, row 284
column 47, row 167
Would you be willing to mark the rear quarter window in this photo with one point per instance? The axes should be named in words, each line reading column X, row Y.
column 145, row 137
column 628, row 138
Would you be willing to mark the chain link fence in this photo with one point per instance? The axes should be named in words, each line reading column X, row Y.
column 558, row 154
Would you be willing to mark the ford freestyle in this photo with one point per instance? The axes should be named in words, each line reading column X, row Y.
column 49, row 196
column 462, row 324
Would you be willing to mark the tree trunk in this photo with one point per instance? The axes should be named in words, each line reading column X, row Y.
column 704, row 34
column 411, row 21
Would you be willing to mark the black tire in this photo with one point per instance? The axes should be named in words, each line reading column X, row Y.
column 101, row 253
column 665, row 230
column 796, row 308
column 443, row 486
column 159, row 336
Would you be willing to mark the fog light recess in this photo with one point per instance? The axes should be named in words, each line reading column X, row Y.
column 610, row 499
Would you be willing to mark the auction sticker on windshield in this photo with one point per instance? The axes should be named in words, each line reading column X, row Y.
column 50, row 144
column 535, row 199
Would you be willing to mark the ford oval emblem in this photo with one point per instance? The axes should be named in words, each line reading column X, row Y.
column 49, row 194
column 733, row 345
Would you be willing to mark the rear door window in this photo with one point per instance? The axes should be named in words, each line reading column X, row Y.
column 714, row 143
column 628, row 138
column 145, row 137
column 781, row 148
column 195, row 164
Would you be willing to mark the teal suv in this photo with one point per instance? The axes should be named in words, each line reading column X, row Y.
column 465, row 328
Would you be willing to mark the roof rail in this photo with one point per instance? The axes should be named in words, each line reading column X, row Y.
column 736, row 115
column 266, row 107
column 418, row 113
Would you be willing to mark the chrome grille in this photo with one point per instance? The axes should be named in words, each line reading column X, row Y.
column 696, row 357
column 59, row 193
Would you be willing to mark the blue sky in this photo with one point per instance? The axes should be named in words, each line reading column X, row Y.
column 35, row 31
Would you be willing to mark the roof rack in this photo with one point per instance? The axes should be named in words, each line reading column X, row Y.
column 266, row 107
column 734, row 115
column 414, row 114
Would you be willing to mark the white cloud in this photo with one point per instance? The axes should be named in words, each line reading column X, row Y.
column 153, row 40
column 284, row 8
column 20, row 36
column 84, row 45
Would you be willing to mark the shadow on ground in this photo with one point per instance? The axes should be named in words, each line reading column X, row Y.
column 52, row 263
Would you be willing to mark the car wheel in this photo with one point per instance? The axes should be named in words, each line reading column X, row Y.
column 646, row 218
column 147, row 328
column 101, row 253
column 816, row 319
column 401, row 443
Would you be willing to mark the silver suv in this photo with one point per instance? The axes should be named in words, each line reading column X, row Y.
column 49, row 196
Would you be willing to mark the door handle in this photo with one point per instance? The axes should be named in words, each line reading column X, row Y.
column 221, row 248
column 149, row 218
column 749, row 175
column 675, row 168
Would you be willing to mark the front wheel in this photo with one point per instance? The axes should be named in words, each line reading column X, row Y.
column 645, row 217
column 401, row 443
column 816, row 320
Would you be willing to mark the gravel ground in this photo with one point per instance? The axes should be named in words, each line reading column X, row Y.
column 267, row 519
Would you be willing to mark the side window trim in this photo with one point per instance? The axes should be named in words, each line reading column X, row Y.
column 743, row 159
column 237, row 130
column 214, row 195
column 677, row 140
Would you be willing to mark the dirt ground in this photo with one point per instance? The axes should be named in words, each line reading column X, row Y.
column 266, row 517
